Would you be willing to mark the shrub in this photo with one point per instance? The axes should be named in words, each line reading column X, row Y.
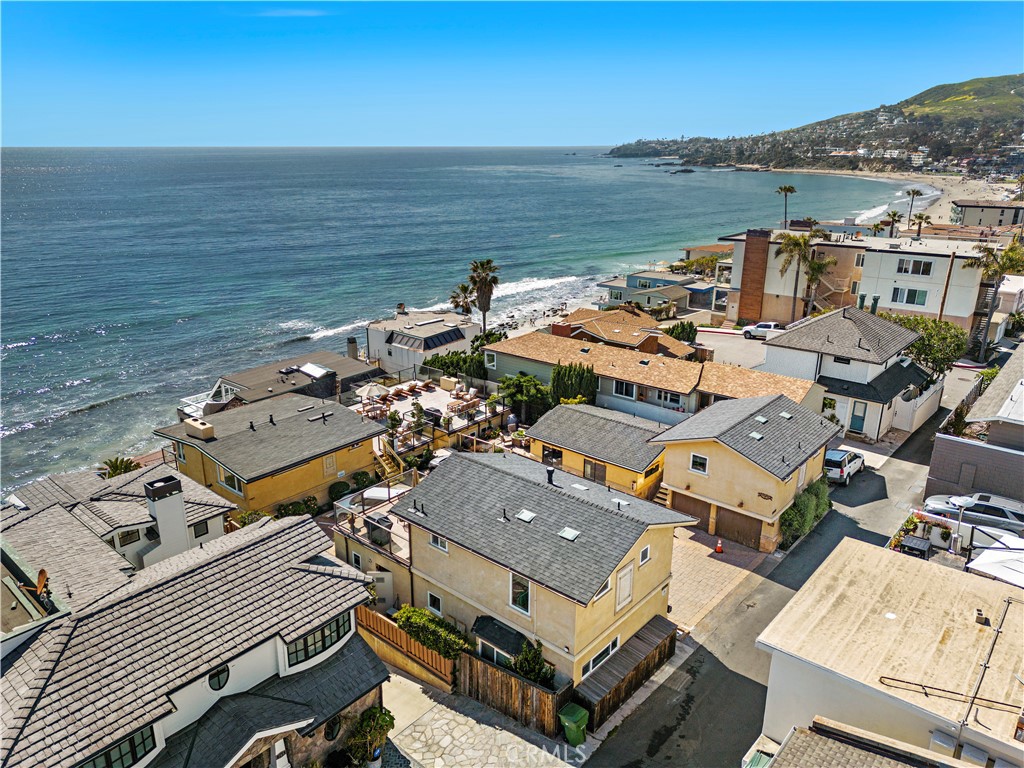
column 338, row 490
column 250, row 517
column 293, row 508
column 435, row 633
column 369, row 735
column 119, row 465
column 530, row 664
column 808, row 507
column 362, row 479
column 312, row 505
column 683, row 331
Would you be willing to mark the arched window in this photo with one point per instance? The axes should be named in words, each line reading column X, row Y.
column 219, row 677
column 332, row 728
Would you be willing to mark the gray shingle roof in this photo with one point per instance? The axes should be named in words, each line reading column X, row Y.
column 610, row 436
column 464, row 497
column 806, row 748
column 88, row 680
column 847, row 332
column 784, row 444
column 256, row 381
column 883, row 388
column 292, row 440
column 991, row 406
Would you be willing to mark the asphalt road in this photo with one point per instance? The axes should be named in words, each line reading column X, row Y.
column 709, row 712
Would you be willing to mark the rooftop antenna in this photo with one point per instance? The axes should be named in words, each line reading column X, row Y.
column 252, row 426
column 504, row 517
column 272, row 420
column 40, row 587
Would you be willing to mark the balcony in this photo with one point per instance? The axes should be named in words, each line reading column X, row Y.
column 366, row 517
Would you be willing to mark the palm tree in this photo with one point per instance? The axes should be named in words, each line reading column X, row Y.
column 462, row 298
column 119, row 466
column 785, row 190
column 795, row 251
column 913, row 194
column 921, row 219
column 876, row 228
column 895, row 217
column 994, row 266
column 814, row 271
column 483, row 276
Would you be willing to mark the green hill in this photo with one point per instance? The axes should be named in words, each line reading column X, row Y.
column 999, row 98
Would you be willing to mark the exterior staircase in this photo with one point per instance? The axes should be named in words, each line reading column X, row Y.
column 986, row 296
column 389, row 463
column 661, row 497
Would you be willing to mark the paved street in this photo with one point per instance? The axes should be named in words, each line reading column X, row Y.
column 733, row 349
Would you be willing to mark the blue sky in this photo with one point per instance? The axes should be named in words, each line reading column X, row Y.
column 490, row 74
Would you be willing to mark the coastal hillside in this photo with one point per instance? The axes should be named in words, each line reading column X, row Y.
column 974, row 120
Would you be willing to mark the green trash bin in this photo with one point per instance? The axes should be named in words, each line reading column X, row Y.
column 574, row 721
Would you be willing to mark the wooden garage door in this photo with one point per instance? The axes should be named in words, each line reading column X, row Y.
column 739, row 528
column 691, row 506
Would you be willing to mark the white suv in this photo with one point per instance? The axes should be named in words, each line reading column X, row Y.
column 760, row 330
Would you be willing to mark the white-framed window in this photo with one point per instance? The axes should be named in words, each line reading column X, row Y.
column 855, row 288
column 357, row 561
column 491, row 360
column 624, row 389
column 519, row 593
column 858, row 260
column 434, row 603
column 668, row 399
column 438, row 543
column 914, row 267
column 179, row 451
column 616, row 295
column 698, row 463
column 230, row 481
column 841, row 360
column 601, row 657
column 624, row 587
column 645, row 554
column 493, row 655
column 200, row 529
column 913, row 296
column 801, row 476
column 643, row 284
column 604, row 590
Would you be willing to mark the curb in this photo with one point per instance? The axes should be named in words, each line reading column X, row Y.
column 726, row 331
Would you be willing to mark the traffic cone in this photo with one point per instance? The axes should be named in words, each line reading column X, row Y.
column 718, row 548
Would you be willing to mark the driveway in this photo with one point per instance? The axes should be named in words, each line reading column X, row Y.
column 733, row 349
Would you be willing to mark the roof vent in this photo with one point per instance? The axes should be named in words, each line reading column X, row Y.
column 305, row 408
column 525, row 515
column 569, row 534
column 585, row 350
column 761, row 419
column 757, row 435
column 616, row 330
column 623, row 502
column 786, row 415
column 645, row 362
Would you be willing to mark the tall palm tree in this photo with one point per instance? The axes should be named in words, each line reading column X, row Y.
column 876, row 228
column 921, row 219
column 894, row 217
column 814, row 271
column 462, row 298
column 913, row 194
column 483, row 276
column 785, row 190
column 994, row 266
column 795, row 251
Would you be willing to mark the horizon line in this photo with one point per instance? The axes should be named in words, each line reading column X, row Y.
column 310, row 146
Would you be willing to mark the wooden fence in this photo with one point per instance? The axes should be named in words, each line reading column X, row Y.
column 512, row 695
column 383, row 628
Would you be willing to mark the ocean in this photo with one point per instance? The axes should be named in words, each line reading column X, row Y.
column 133, row 277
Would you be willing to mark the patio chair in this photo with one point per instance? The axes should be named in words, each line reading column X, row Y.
column 428, row 386
column 468, row 395
column 458, row 390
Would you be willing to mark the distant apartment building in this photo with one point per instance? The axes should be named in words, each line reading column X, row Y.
column 404, row 341
column 987, row 213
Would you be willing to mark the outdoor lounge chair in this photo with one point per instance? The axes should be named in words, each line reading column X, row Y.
column 468, row 395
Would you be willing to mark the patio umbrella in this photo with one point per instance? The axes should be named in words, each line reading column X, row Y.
column 372, row 390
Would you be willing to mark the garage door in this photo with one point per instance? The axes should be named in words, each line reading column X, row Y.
column 739, row 528
column 696, row 507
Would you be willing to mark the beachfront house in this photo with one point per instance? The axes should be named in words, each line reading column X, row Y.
column 904, row 648
column 871, row 385
column 510, row 550
column 665, row 293
column 403, row 342
column 654, row 387
column 215, row 658
column 275, row 451
column 987, row 213
column 145, row 516
column 608, row 447
column 627, row 327
column 739, row 464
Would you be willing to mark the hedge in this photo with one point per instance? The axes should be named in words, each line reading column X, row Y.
column 809, row 506
column 435, row 633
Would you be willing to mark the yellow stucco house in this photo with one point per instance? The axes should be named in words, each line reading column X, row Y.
column 509, row 550
column 737, row 465
column 275, row 451
column 609, row 447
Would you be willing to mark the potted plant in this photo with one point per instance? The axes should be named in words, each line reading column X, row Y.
column 446, row 423
column 492, row 404
column 519, row 438
column 366, row 742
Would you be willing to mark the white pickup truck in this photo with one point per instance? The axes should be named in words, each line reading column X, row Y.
column 760, row 330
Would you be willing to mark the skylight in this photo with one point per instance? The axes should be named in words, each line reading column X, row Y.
column 525, row 515
column 579, row 487
column 760, row 419
column 756, row 435
column 623, row 502
column 569, row 534
column 585, row 350
column 786, row 415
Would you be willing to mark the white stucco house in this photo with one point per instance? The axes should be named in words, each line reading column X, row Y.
column 402, row 342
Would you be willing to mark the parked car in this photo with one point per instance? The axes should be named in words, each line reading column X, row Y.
column 840, row 466
column 980, row 509
column 760, row 330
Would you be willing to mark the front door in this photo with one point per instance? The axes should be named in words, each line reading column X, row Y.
column 860, row 410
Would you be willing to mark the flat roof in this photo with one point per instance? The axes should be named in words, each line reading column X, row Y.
column 942, row 247
column 422, row 325
column 257, row 381
column 968, row 203
column 903, row 627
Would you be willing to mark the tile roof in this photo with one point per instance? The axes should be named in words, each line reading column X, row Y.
column 627, row 328
column 997, row 403
column 600, row 433
column 296, row 437
column 732, row 381
column 784, row 443
column 883, row 388
column 847, row 332
column 88, row 680
column 626, row 315
column 463, row 501
column 712, row 248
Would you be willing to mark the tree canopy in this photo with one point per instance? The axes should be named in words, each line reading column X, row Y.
column 942, row 343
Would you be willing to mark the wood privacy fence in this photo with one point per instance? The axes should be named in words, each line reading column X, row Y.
column 385, row 629
column 512, row 695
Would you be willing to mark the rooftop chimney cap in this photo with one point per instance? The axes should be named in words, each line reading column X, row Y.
column 551, row 475
column 162, row 488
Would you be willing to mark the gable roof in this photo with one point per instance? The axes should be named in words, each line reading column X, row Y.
column 90, row 679
column 784, row 443
column 463, row 499
column 735, row 382
column 621, row 328
column 627, row 315
column 847, row 332
column 881, row 389
column 299, row 434
column 600, row 433
column 1004, row 398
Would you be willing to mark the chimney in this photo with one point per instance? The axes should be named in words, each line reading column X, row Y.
column 874, row 304
column 199, row 429
column 861, row 299
column 561, row 329
column 352, row 348
column 167, row 507
column 551, row 475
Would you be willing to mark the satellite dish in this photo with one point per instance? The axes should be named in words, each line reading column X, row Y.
column 40, row 588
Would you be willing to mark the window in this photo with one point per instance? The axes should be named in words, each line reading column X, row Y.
column 909, row 296
column 332, row 728
column 594, row 471
column 601, row 657
column 125, row 753
column 624, row 587
column 438, row 543
column 914, row 267
column 433, row 603
column 616, row 295
column 550, row 456
column 491, row 359
column 858, row 260
column 698, row 463
column 519, row 593
column 801, row 476
column 319, row 640
column 841, row 360
column 652, row 470
column 179, row 451
column 855, row 288
column 128, row 537
column 200, row 529
column 219, row 677
column 330, row 466
column 605, row 589
column 643, row 283
column 669, row 399
column 624, row 389
column 645, row 554
column 357, row 561
column 493, row 655
column 229, row 480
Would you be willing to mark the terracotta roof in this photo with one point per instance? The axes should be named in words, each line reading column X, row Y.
column 627, row 316
column 713, row 248
column 736, row 382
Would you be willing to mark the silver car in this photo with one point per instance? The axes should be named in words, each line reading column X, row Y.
column 980, row 509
